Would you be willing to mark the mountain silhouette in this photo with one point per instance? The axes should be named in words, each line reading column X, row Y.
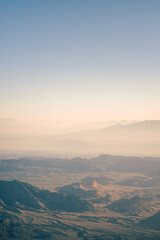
column 19, row 194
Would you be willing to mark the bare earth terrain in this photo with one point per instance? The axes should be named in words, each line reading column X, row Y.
column 112, row 197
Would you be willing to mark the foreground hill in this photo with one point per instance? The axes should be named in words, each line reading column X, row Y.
column 132, row 206
column 23, row 195
column 13, row 192
column 152, row 222
column 77, row 190
column 87, row 188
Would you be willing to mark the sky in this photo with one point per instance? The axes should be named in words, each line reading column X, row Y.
column 79, row 61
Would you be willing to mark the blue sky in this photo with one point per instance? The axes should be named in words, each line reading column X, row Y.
column 80, row 61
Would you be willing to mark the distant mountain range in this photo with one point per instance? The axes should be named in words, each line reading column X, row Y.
column 145, row 126
column 105, row 163
column 140, row 139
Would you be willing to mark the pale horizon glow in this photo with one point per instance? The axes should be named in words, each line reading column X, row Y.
column 79, row 62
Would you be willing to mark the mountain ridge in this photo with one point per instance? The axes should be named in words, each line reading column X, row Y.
column 16, row 193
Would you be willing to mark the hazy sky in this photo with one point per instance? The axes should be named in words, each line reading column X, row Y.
column 79, row 61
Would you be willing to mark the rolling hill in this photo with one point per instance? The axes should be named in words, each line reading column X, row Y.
column 132, row 206
column 152, row 222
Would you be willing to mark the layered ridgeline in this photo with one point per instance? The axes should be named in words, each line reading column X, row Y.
column 140, row 138
column 105, row 163
column 16, row 194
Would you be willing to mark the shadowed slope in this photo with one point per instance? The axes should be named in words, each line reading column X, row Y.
column 16, row 192
column 152, row 222
column 132, row 206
